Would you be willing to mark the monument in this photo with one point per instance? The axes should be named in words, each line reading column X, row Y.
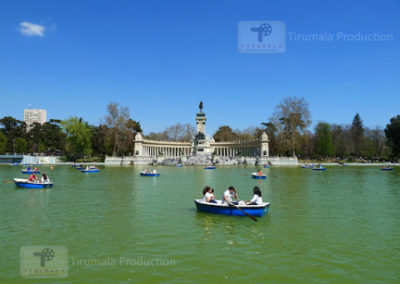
column 201, row 150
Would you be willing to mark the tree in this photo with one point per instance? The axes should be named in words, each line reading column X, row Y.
column 248, row 133
column 100, row 144
column 78, row 137
column 292, row 117
column 324, row 144
column 116, row 120
column 3, row 143
column 225, row 133
column 53, row 137
column 21, row 145
column 357, row 134
column 133, row 126
column 180, row 132
column 35, row 136
column 12, row 128
column 392, row 132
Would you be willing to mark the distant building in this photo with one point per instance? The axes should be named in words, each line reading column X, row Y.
column 34, row 115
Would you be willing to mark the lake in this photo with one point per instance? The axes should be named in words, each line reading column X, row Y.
column 342, row 225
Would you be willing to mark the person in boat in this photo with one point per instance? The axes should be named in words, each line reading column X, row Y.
column 44, row 179
column 260, row 172
column 32, row 177
column 257, row 197
column 208, row 194
column 212, row 196
column 154, row 171
column 28, row 168
column 87, row 167
column 36, row 169
column 146, row 170
column 229, row 195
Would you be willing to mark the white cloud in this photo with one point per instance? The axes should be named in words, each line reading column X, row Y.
column 31, row 29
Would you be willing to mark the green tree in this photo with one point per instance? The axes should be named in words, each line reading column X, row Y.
column 392, row 133
column 53, row 136
column 357, row 135
column 225, row 133
column 100, row 144
column 3, row 143
column 12, row 128
column 78, row 137
column 35, row 136
column 292, row 118
column 21, row 145
column 324, row 144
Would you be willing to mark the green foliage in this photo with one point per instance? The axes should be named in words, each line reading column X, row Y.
column 357, row 134
column 21, row 145
column 3, row 143
column 324, row 145
column 12, row 128
column 392, row 132
column 225, row 133
column 78, row 137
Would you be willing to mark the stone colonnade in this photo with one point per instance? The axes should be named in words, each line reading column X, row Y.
column 153, row 150
column 236, row 149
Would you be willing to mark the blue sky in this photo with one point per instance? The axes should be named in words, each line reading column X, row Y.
column 160, row 58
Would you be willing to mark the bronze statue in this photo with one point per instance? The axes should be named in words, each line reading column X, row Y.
column 201, row 105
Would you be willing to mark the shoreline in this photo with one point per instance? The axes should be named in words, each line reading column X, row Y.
column 330, row 164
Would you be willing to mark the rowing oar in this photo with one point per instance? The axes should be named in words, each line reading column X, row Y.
column 244, row 212
column 8, row 181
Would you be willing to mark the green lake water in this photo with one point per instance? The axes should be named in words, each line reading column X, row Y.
column 338, row 226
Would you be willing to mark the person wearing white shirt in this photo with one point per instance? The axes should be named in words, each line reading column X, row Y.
column 229, row 195
column 257, row 197
column 44, row 179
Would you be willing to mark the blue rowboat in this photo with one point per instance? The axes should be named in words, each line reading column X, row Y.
column 144, row 174
column 20, row 182
column 76, row 166
column 14, row 164
column 266, row 166
column 257, row 176
column 179, row 166
column 386, row 169
column 90, row 171
column 30, row 172
column 319, row 169
column 210, row 168
column 225, row 209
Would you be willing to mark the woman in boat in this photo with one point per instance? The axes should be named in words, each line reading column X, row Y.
column 257, row 197
column 259, row 172
column 212, row 200
column 229, row 195
column 206, row 193
column 44, row 179
column 154, row 171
